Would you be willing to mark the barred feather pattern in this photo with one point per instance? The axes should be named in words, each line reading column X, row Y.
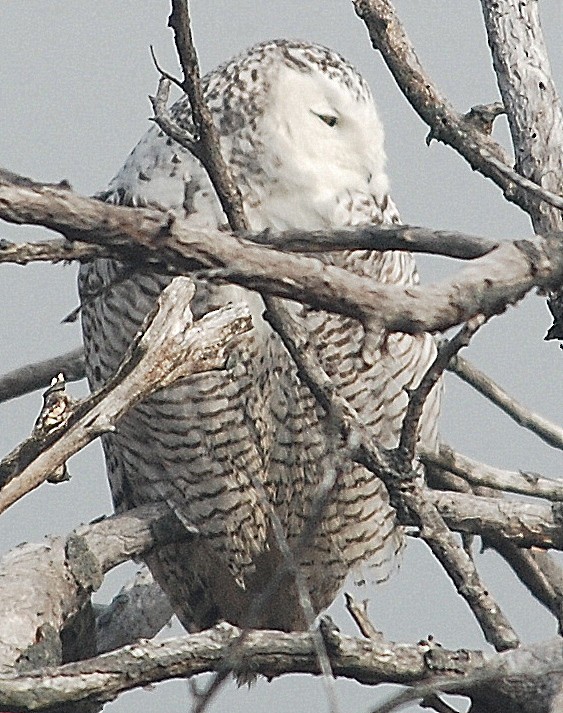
column 212, row 445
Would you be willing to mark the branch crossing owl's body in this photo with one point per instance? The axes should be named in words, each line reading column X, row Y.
column 300, row 133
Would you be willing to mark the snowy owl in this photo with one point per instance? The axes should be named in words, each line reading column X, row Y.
column 301, row 135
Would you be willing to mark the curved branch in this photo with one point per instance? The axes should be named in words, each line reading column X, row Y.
column 487, row 285
column 413, row 238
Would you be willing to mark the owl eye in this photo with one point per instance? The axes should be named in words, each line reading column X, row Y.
column 328, row 119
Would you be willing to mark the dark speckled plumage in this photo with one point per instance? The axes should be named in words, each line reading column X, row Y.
column 300, row 132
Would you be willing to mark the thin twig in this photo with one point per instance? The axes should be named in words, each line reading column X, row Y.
column 209, row 153
column 435, row 702
column 208, row 150
column 50, row 251
column 418, row 397
column 549, row 432
column 39, row 374
column 163, row 119
column 359, row 614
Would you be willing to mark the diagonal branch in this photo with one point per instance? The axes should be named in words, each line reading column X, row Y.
column 417, row 398
column 415, row 505
column 549, row 432
column 483, row 154
column 209, row 153
column 482, row 475
column 208, row 144
column 169, row 347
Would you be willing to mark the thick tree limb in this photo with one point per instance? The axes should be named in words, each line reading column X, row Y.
column 271, row 653
column 529, row 675
column 549, row 432
column 43, row 586
column 535, row 113
column 487, row 285
column 447, row 125
column 139, row 611
column 169, row 347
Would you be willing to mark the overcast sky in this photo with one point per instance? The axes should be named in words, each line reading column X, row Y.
column 74, row 81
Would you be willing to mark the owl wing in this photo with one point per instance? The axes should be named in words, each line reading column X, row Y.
column 198, row 445
column 373, row 371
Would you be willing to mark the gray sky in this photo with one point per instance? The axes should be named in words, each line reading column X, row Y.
column 74, row 80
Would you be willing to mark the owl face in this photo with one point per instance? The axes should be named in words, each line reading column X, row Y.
column 301, row 130
column 322, row 133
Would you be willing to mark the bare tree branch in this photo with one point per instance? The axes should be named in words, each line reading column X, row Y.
column 482, row 153
column 535, row 114
column 484, row 475
column 414, row 504
column 524, row 524
column 271, row 653
column 42, row 586
column 231, row 202
column 38, row 375
column 527, row 680
column 208, row 150
column 535, row 568
column 49, row 251
column 363, row 237
column 417, row 398
column 169, row 347
column 528, row 675
column 549, row 432
column 487, row 285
